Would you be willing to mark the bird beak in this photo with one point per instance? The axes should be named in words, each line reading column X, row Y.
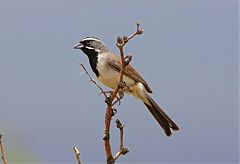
column 78, row 46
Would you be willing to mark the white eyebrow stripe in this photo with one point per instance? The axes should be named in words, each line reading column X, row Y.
column 90, row 38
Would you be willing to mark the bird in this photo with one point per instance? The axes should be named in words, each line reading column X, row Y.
column 107, row 65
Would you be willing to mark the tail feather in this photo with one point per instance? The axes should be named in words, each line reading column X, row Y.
column 162, row 118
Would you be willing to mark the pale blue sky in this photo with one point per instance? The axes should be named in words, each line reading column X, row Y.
column 188, row 54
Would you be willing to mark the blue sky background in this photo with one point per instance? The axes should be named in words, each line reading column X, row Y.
column 188, row 54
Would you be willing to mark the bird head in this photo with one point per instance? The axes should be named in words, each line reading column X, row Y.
column 91, row 45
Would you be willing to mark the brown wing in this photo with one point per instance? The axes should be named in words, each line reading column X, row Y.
column 129, row 71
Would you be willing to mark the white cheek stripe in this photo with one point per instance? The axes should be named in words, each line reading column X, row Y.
column 89, row 48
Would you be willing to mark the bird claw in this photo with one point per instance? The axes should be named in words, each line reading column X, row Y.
column 118, row 98
column 107, row 100
column 106, row 92
column 117, row 101
column 121, row 95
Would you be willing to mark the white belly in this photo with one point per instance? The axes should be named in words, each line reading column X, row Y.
column 110, row 78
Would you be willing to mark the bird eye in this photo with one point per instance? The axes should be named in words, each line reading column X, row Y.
column 89, row 42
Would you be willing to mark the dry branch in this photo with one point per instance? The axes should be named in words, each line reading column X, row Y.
column 1, row 147
column 122, row 150
column 120, row 44
column 77, row 153
column 92, row 80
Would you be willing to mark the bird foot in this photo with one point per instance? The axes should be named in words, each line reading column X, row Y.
column 118, row 98
column 108, row 97
column 106, row 92
column 107, row 100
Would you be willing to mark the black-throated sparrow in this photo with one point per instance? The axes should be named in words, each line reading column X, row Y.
column 107, row 65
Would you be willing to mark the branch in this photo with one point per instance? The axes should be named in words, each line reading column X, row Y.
column 1, row 147
column 120, row 44
column 92, row 80
column 77, row 153
column 122, row 150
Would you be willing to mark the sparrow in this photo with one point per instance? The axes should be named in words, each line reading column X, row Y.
column 106, row 66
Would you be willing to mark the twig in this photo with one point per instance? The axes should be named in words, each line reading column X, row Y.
column 122, row 150
column 1, row 147
column 120, row 127
column 92, row 80
column 138, row 32
column 77, row 153
column 120, row 44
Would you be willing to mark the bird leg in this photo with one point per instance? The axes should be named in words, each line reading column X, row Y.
column 118, row 97
column 106, row 92
column 108, row 97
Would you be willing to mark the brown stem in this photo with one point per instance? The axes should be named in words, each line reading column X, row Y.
column 109, row 100
column 122, row 150
column 77, row 153
column 107, row 146
column 120, row 127
column 1, row 147
column 120, row 44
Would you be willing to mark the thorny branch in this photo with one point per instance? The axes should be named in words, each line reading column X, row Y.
column 1, row 147
column 77, row 153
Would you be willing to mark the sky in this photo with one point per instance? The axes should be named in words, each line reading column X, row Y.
column 188, row 54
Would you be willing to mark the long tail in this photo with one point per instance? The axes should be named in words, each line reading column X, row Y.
column 162, row 118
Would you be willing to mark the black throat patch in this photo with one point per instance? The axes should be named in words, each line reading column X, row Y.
column 93, row 59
